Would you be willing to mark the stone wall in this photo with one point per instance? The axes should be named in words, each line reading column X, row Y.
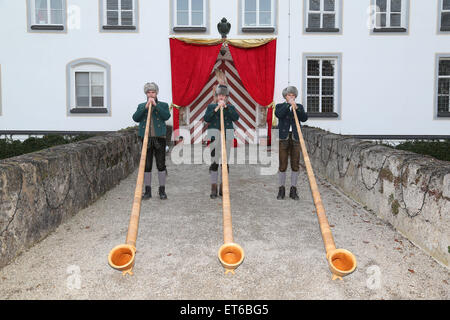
column 40, row 190
column 408, row 190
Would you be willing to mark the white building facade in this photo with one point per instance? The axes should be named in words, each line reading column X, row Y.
column 362, row 67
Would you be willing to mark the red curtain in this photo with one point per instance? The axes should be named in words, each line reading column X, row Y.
column 256, row 68
column 191, row 66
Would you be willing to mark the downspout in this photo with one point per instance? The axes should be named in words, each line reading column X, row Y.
column 289, row 44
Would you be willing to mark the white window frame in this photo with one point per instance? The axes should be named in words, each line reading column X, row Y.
column 258, row 25
column 33, row 13
column 104, row 27
column 119, row 10
column 88, row 65
column 337, row 58
column 190, row 25
column 34, row 26
column 404, row 15
column 441, row 11
column 337, row 16
column 440, row 57
column 89, row 69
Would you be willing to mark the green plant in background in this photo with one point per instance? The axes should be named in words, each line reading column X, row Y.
column 11, row 148
column 129, row 128
column 437, row 149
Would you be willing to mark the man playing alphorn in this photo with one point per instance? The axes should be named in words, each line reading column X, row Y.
column 212, row 117
column 289, row 145
column 156, row 146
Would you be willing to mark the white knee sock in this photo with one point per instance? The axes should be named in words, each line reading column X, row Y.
column 148, row 179
column 214, row 175
column 162, row 178
column 281, row 178
column 294, row 178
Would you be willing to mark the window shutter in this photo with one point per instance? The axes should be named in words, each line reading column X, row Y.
column 445, row 15
column 126, row 7
column 82, row 89
column 197, row 12
column 56, row 12
column 97, row 89
column 112, row 12
column 265, row 13
column 183, row 12
column 444, row 85
column 250, row 12
column 446, row 4
column 41, row 12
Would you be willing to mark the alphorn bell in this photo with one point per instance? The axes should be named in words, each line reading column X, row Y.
column 230, row 254
column 340, row 261
column 122, row 257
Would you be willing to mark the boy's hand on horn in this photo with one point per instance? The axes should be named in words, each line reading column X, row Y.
column 150, row 101
column 292, row 103
column 220, row 104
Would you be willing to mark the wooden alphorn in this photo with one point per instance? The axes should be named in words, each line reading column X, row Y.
column 340, row 261
column 122, row 257
column 230, row 254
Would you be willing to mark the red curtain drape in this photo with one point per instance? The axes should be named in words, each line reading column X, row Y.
column 191, row 66
column 256, row 68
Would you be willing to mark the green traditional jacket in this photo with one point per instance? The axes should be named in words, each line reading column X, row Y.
column 160, row 114
column 213, row 118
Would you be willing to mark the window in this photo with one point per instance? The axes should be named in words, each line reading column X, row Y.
column 323, row 15
column 443, row 86
column 321, row 77
column 258, row 15
column 119, row 15
column 189, row 15
column 390, row 15
column 46, row 15
column 89, row 89
column 444, row 9
column 88, row 86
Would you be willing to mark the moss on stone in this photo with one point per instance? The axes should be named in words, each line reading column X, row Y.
column 395, row 206
column 386, row 174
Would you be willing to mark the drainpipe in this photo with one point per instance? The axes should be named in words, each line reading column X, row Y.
column 289, row 44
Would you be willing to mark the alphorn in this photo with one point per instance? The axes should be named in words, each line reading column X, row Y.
column 230, row 254
column 340, row 261
column 122, row 257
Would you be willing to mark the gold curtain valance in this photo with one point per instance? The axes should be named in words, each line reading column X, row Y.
column 239, row 43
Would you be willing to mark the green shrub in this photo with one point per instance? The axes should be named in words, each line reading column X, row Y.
column 437, row 149
column 11, row 148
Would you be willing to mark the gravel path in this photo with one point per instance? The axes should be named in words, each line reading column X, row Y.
column 179, row 238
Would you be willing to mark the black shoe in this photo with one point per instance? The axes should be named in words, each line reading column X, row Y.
column 148, row 193
column 293, row 193
column 213, row 194
column 220, row 190
column 281, row 193
column 162, row 193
